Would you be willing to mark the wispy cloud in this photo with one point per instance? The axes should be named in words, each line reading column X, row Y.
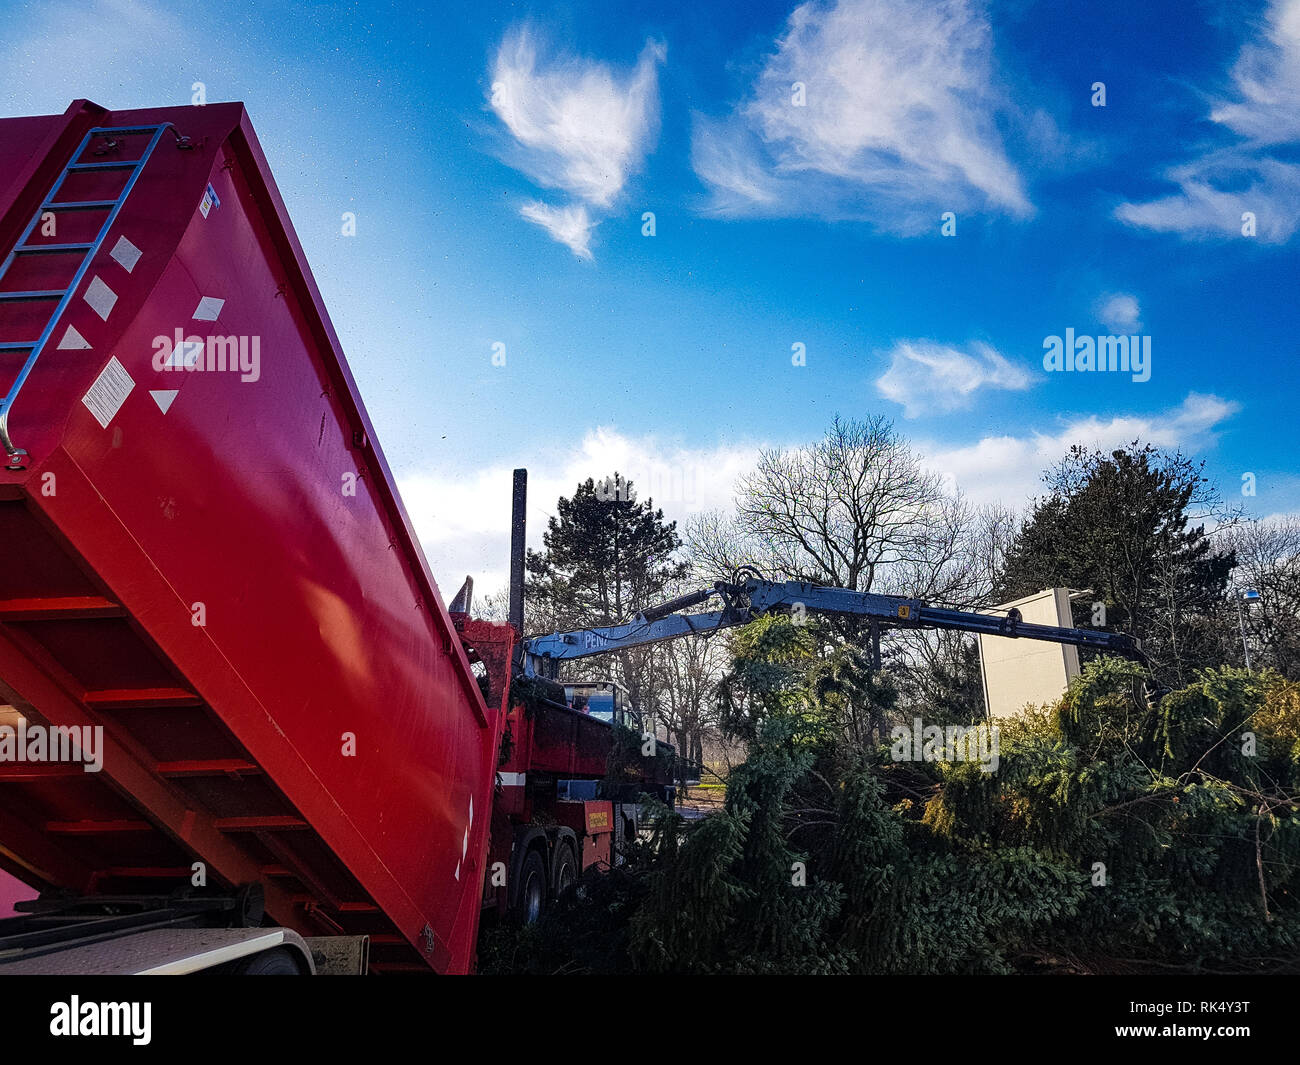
column 926, row 377
column 1008, row 469
column 881, row 110
column 570, row 225
column 1216, row 189
column 1120, row 312
column 577, row 125
column 1266, row 76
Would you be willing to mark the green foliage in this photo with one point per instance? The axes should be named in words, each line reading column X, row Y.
column 584, row 932
column 766, row 681
column 606, row 554
column 829, row 859
column 1121, row 524
column 1277, row 722
column 627, row 764
column 532, row 692
column 853, row 698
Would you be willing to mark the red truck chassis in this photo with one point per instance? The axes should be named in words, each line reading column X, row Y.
column 205, row 562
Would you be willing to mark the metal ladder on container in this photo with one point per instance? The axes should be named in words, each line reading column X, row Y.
column 16, row 456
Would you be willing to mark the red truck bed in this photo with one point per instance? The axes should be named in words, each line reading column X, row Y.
column 214, row 564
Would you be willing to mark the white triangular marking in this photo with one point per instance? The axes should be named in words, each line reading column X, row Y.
column 164, row 398
column 471, row 811
column 464, row 847
column 456, row 874
column 73, row 339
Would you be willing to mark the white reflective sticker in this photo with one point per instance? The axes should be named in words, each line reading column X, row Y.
column 126, row 253
column 109, row 392
column 73, row 339
column 100, row 297
column 208, row 309
column 185, row 355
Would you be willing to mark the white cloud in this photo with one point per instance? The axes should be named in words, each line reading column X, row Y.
column 899, row 121
column 926, row 377
column 463, row 520
column 1008, row 469
column 1216, row 189
column 1120, row 313
column 571, row 225
column 578, row 125
column 1266, row 76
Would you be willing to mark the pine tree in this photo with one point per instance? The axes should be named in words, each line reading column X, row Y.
column 605, row 556
column 1121, row 525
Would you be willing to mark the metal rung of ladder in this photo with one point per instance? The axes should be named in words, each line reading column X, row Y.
column 78, row 205
column 23, row 297
column 16, row 456
column 124, row 131
column 115, row 164
column 49, row 249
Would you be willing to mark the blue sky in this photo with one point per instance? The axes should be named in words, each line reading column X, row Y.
column 499, row 159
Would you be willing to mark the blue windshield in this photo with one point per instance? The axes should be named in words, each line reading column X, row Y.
column 601, row 705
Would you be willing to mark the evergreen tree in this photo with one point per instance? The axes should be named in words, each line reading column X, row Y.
column 606, row 556
column 1115, row 836
column 1120, row 524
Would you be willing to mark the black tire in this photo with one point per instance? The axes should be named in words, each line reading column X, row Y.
column 276, row 962
column 530, row 903
column 564, row 868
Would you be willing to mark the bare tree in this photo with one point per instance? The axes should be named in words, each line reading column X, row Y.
column 689, row 672
column 859, row 509
column 844, row 510
column 958, row 567
column 1268, row 560
column 495, row 606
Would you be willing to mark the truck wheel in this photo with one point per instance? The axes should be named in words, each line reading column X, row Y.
column 565, row 866
column 532, row 889
column 276, row 962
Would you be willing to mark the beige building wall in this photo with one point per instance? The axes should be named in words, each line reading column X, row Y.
column 1018, row 672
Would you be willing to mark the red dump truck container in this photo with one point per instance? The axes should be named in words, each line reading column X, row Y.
column 204, row 555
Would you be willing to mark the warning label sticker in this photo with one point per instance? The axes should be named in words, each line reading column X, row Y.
column 209, row 201
column 109, row 392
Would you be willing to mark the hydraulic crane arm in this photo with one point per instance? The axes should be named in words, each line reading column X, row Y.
column 743, row 601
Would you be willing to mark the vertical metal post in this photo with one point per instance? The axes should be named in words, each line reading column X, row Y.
column 518, row 520
column 1241, row 624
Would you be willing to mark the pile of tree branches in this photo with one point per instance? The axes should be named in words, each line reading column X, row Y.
column 1115, row 835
